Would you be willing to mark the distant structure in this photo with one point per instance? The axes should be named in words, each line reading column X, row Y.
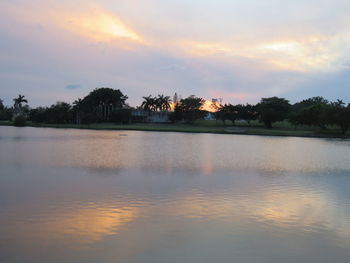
column 140, row 115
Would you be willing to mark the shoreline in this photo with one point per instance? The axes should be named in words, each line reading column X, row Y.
column 191, row 128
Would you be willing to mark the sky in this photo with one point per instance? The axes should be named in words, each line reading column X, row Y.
column 238, row 50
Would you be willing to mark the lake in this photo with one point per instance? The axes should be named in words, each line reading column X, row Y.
column 137, row 197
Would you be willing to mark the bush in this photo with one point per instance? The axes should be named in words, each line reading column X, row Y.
column 20, row 121
column 176, row 115
column 6, row 114
column 121, row 116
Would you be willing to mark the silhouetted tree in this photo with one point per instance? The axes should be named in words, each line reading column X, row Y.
column 39, row 115
column 2, row 107
column 121, row 116
column 340, row 115
column 228, row 112
column 76, row 109
column 272, row 110
column 18, row 103
column 317, row 115
column 100, row 103
column 58, row 113
column 313, row 111
column 248, row 113
column 149, row 103
column 5, row 112
column 189, row 109
column 163, row 102
column 297, row 107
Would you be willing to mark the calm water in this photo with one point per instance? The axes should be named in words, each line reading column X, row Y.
column 107, row 196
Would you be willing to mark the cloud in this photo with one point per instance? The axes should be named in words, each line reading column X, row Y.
column 238, row 50
column 97, row 24
column 73, row 86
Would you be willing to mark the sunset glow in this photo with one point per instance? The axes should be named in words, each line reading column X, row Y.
column 158, row 47
column 98, row 25
column 170, row 131
column 211, row 106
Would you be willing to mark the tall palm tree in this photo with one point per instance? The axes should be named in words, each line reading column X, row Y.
column 149, row 103
column 164, row 102
column 159, row 103
column 77, row 104
column 18, row 102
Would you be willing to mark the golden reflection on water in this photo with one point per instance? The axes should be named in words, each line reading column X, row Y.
column 204, row 153
column 78, row 226
column 89, row 225
column 247, row 185
column 292, row 208
column 304, row 211
column 289, row 209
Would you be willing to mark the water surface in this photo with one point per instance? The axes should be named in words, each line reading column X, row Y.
column 126, row 196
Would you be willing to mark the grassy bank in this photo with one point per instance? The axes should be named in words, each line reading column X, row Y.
column 255, row 128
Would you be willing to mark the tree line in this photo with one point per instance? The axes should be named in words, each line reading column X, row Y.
column 109, row 105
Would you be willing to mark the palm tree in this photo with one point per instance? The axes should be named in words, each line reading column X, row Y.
column 164, row 102
column 149, row 103
column 157, row 103
column 18, row 102
column 77, row 104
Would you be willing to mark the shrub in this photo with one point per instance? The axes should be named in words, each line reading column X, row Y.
column 121, row 116
column 6, row 114
column 20, row 121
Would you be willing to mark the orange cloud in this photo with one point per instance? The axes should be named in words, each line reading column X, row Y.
column 98, row 25
column 91, row 21
column 299, row 54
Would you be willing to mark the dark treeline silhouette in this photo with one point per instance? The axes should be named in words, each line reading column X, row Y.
column 319, row 112
column 109, row 105
column 160, row 103
column 236, row 112
column 100, row 105
column 188, row 109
